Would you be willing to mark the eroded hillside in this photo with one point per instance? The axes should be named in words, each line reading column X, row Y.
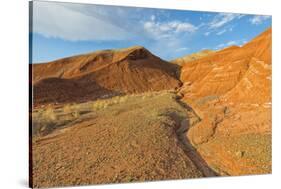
column 125, row 115
column 102, row 74
column 231, row 91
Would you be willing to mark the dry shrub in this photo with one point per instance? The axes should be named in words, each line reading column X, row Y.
column 75, row 114
column 67, row 109
column 97, row 105
column 45, row 123
column 49, row 114
column 123, row 99
column 102, row 104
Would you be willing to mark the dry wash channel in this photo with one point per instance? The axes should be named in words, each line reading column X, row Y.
column 122, row 139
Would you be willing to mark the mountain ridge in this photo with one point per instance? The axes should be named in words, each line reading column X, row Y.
column 132, row 70
column 221, row 71
column 194, row 56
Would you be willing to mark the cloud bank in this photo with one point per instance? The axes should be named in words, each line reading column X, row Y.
column 168, row 33
column 65, row 22
column 259, row 19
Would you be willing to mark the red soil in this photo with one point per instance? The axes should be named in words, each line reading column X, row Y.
column 231, row 91
column 102, row 74
column 237, row 73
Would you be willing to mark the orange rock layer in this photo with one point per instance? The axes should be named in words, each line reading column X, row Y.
column 231, row 92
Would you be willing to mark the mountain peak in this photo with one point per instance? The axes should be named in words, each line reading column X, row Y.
column 101, row 73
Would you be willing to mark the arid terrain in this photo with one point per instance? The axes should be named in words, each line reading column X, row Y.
column 125, row 115
column 101, row 75
column 230, row 90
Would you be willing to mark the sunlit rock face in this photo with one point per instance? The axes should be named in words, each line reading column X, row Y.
column 231, row 91
column 234, row 71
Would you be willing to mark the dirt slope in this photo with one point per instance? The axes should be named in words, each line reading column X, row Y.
column 102, row 74
column 124, row 139
column 231, row 91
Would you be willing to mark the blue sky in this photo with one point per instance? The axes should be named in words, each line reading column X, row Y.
column 67, row 29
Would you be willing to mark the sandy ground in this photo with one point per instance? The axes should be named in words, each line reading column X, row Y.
column 130, row 139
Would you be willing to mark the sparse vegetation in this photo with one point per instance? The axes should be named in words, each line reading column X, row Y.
column 47, row 119
column 102, row 133
column 122, row 131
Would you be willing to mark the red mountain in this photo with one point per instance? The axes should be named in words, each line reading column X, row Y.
column 102, row 74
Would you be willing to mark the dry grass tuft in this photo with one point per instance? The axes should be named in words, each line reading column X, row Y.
column 49, row 114
column 49, row 118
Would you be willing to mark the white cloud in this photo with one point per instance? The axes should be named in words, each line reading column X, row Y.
column 152, row 17
column 220, row 23
column 224, row 45
column 167, row 29
column 223, row 18
column 221, row 32
column 63, row 21
column 231, row 43
column 182, row 49
column 220, row 46
column 256, row 20
column 168, row 35
column 76, row 22
column 207, row 33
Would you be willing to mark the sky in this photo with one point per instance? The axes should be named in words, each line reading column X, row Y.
column 66, row 29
